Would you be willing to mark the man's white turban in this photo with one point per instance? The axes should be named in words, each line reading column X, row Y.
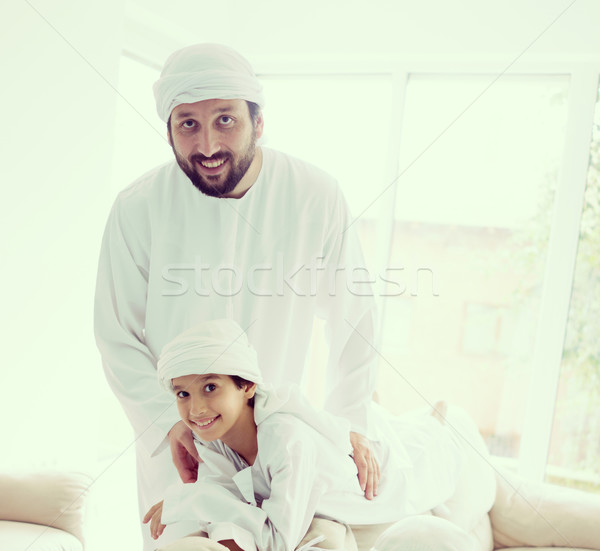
column 205, row 71
column 219, row 346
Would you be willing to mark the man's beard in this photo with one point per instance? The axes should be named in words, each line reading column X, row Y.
column 211, row 186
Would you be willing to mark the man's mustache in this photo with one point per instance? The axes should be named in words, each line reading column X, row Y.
column 198, row 157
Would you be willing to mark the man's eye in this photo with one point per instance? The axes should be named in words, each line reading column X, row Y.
column 188, row 124
column 182, row 394
column 210, row 387
column 225, row 120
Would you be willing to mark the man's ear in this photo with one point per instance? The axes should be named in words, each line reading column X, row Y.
column 169, row 132
column 259, row 125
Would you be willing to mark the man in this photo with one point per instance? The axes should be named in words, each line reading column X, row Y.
column 229, row 229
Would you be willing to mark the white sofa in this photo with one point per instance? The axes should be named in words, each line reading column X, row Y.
column 543, row 516
column 42, row 511
column 525, row 515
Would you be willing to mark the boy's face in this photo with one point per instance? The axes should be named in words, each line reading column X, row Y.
column 213, row 406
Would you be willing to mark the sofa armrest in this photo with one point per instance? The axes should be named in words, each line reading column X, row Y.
column 543, row 515
column 49, row 498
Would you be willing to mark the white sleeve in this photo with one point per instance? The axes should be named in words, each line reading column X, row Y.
column 278, row 524
column 349, row 308
column 119, row 320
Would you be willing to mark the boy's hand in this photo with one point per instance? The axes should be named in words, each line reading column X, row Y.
column 183, row 451
column 154, row 515
column 367, row 465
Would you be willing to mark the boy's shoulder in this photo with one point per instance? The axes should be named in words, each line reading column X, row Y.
column 282, row 430
column 281, row 422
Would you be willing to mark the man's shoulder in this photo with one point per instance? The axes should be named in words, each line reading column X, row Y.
column 285, row 169
column 151, row 183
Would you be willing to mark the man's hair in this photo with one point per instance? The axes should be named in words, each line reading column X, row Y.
column 240, row 382
column 253, row 109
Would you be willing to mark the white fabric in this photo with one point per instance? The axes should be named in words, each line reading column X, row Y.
column 299, row 474
column 172, row 257
column 205, row 71
column 215, row 346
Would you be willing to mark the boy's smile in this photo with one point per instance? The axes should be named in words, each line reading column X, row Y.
column 204, row 424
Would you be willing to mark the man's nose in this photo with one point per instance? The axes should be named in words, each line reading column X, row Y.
column 207, row 142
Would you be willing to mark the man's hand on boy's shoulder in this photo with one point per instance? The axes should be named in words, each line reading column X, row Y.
column 366, row 463
column 183, row 451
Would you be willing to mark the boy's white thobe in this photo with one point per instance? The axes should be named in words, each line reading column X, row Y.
column 300, row 473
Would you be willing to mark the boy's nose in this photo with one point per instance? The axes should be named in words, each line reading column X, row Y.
column 197, row 408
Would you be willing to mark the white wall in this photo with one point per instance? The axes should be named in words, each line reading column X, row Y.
column 357, row 29
column 58, row 116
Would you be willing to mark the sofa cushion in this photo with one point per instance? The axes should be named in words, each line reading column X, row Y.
column 527, row 514
column 49, row 498
column 17, row 536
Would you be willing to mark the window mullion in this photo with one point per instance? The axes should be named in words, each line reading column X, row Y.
column 558, row 276
column 388, row 206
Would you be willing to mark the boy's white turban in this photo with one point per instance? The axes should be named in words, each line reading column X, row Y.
column 205, row 71
column 218, row 346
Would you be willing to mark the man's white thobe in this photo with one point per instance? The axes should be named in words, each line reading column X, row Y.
column 271, row 260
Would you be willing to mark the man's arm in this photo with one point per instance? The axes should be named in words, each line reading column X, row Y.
column 347, row 303
column 119, row 320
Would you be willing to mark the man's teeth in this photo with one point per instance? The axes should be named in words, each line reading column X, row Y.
column 213, row 164
column 205, row 422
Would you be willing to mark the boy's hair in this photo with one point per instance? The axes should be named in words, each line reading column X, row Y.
column 241, row 383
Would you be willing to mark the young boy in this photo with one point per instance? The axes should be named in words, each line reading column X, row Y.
column 272, row 462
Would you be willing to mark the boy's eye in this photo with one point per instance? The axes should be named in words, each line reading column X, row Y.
column 210, row 387
column 182, row 394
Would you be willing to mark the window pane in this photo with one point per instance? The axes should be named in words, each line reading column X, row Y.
column 574, row 457
column 324, row 120
column 469, row 244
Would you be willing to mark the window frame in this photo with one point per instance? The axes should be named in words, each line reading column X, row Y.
column 584, row 76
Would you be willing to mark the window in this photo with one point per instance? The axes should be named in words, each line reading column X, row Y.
column 461, row 233
column 473, row 205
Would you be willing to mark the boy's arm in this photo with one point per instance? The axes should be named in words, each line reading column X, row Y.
column 279, row 523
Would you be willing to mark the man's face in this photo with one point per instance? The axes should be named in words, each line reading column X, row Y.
column 214, row 142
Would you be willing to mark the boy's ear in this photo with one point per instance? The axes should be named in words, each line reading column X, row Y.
column 250, row 390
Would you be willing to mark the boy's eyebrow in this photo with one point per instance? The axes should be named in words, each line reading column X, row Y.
column 198, row 378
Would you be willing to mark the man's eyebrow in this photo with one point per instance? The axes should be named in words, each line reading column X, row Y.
column 217, row 111
column 184, row 115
